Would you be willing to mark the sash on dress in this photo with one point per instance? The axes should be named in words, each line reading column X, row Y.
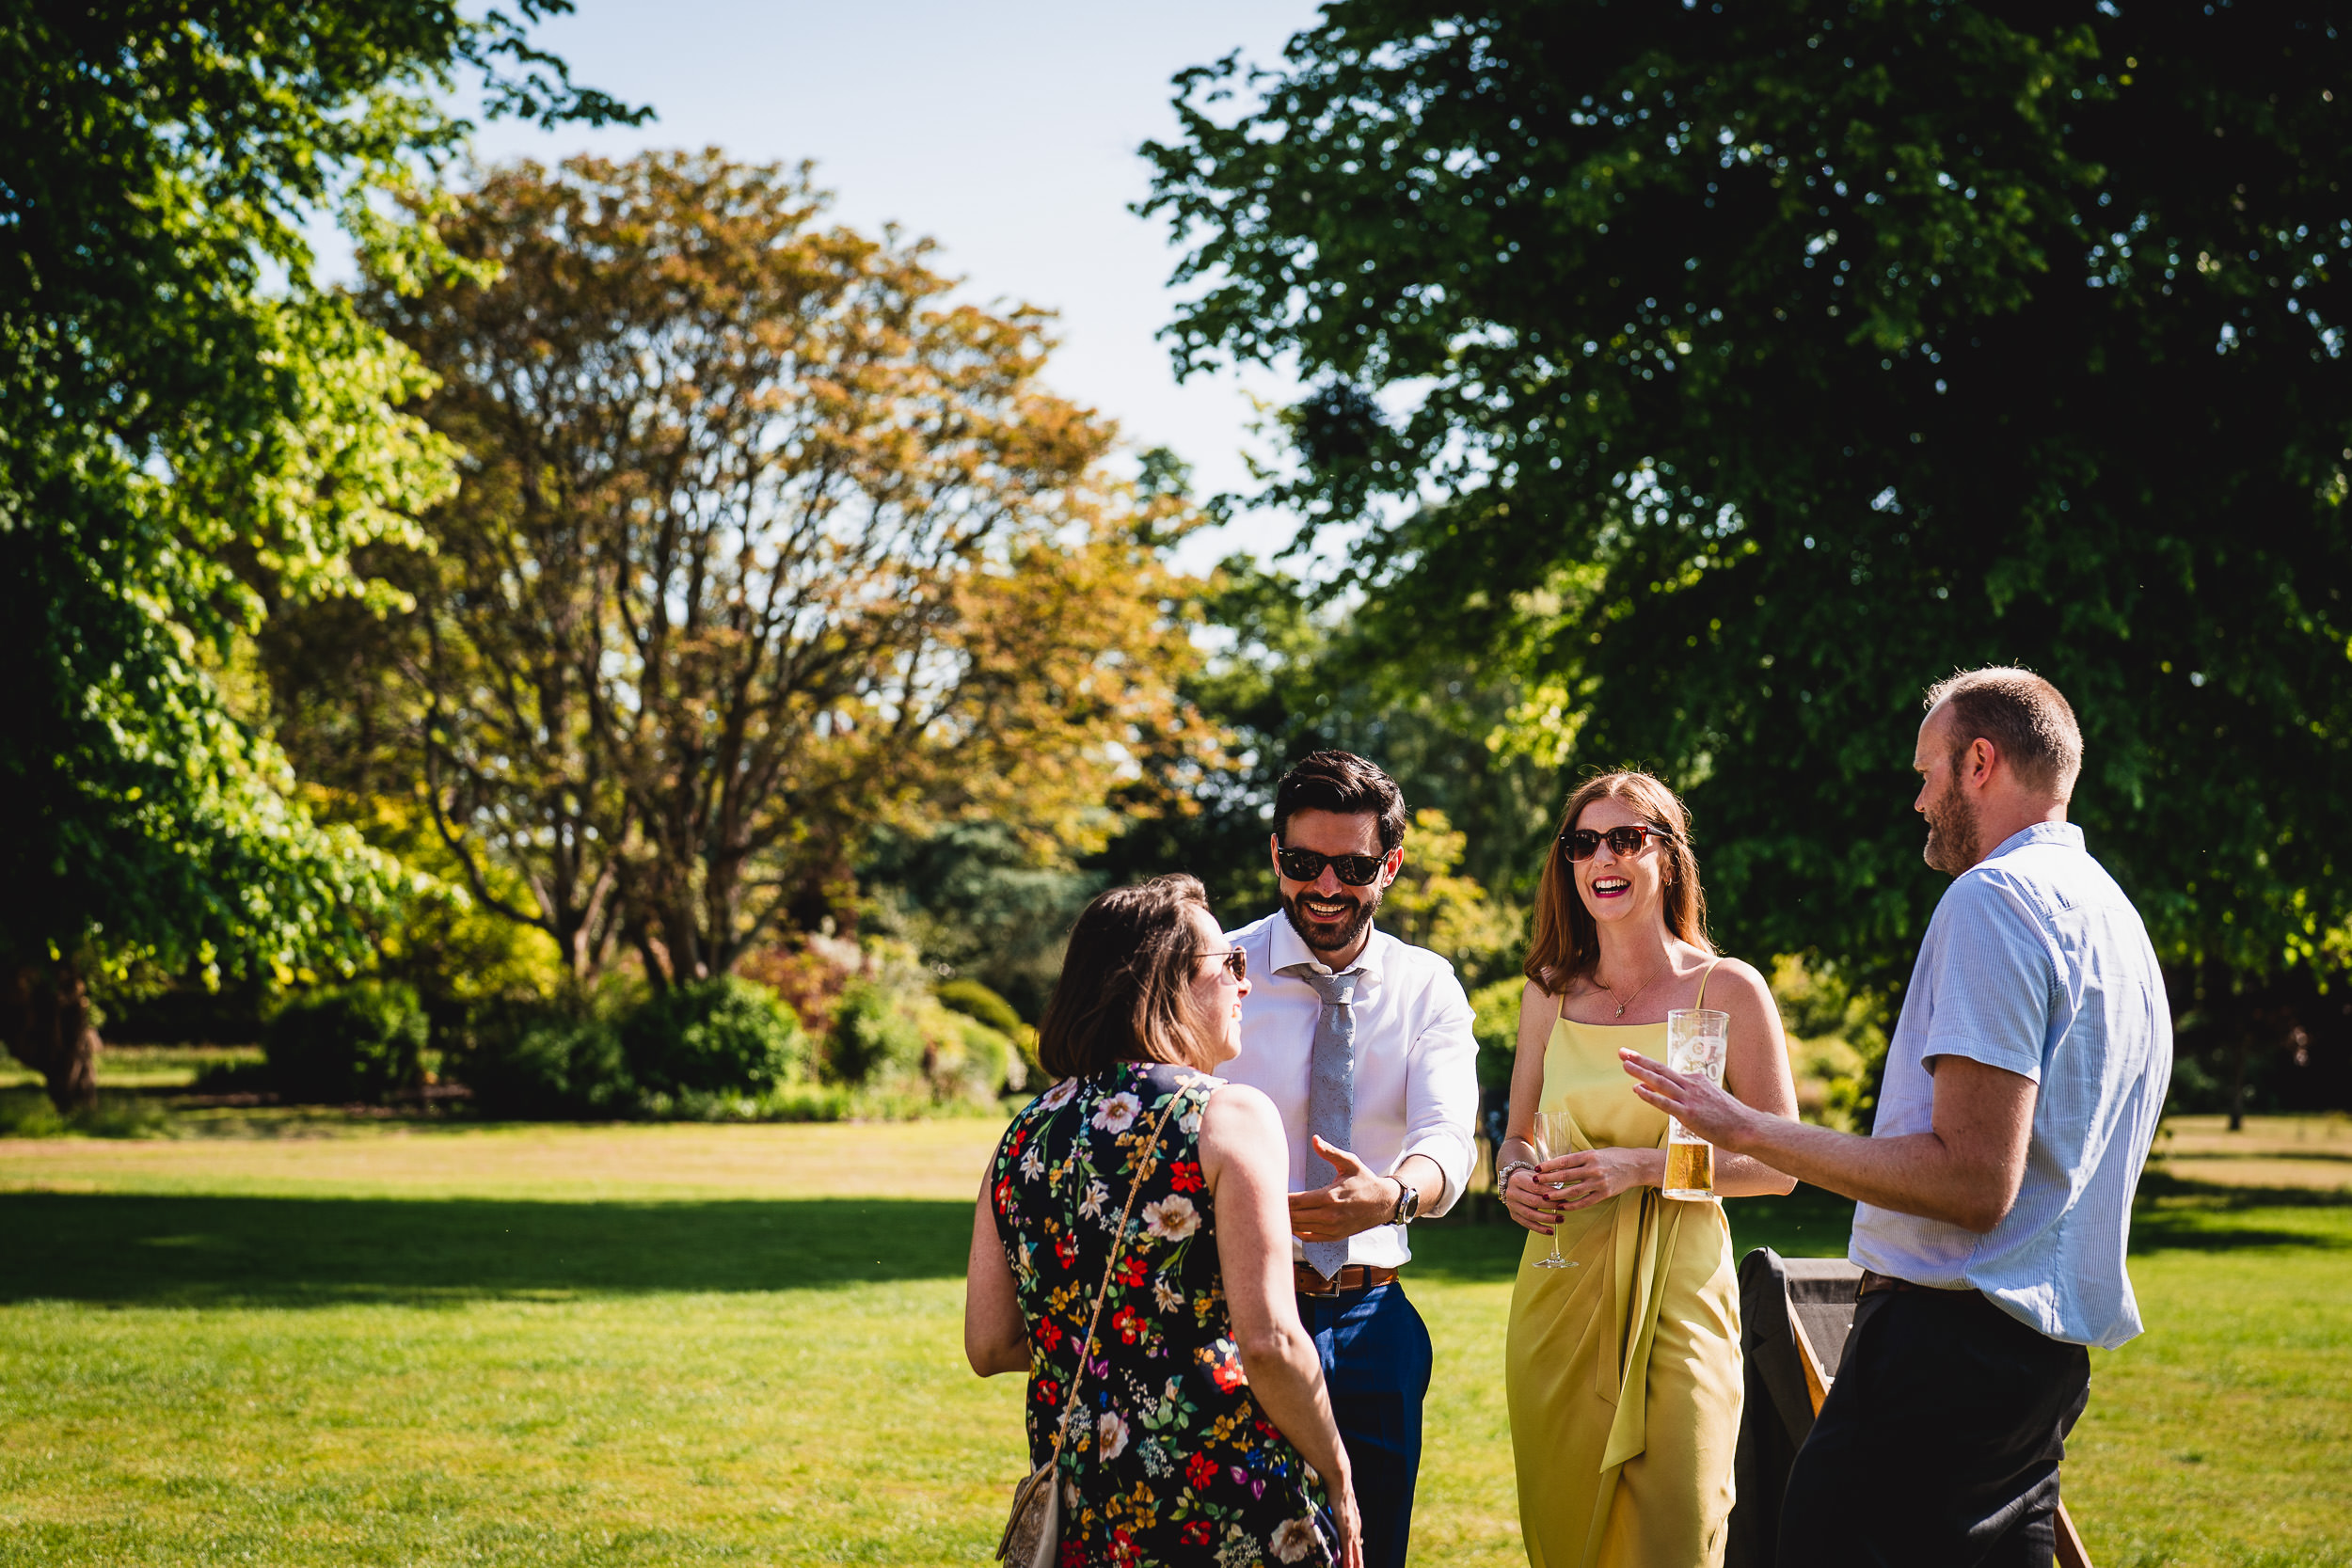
column 1643, row 1239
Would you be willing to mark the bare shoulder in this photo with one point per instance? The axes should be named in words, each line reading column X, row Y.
column 1537, row 1008
column 1239, row 1111
column 1735, row 982
column 1240, row 1129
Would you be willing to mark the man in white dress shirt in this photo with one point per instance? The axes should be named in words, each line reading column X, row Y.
column 1363, row 1043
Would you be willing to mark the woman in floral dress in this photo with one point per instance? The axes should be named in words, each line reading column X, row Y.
column 1203, row 1433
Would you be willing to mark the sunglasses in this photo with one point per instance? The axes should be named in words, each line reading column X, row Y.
column 1305, row 865
column 1583, row 843
column 1236, row 961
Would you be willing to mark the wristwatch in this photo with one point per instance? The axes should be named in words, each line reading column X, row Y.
column 1408, row 1204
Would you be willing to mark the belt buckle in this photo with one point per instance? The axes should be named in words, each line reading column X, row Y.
column 1329, row 1287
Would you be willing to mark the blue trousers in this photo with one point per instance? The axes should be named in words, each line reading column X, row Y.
column 1376, row 1360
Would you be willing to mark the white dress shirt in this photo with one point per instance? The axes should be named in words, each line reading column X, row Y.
column 1416, row 1064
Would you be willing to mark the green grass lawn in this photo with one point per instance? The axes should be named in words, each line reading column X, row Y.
column 686, row 1345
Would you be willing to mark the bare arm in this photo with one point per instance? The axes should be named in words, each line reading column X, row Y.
column 1527, row 1201
column 995, row 1336
column 1964, row 1170
column 1244, row 1159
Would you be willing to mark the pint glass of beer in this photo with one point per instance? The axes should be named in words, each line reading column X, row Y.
column 1696, row 1039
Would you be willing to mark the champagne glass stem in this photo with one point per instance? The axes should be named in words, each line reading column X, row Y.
column 1547, row 1142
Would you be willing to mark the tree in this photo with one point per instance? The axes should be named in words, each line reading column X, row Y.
column 188, row 424
column 1291, row 676
column 1732, row 372
column 763, row 544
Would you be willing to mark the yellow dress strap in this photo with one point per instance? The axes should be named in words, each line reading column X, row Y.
column 1703, row 978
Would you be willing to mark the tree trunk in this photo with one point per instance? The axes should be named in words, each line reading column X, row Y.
column 2238, row 1085
column 49, row 1031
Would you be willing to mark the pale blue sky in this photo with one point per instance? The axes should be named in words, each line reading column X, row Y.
column 1006, row 132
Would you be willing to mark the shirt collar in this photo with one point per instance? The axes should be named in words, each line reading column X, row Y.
column 1285, row 947
column 2065, row 833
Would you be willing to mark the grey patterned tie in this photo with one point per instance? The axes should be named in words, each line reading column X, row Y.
column 1330, row 1086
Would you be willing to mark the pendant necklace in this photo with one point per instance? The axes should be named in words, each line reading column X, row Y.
column 1635, row 997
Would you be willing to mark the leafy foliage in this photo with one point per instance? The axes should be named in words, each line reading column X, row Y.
column 1837, row 1043
column 724, row 1035
column 974, row 902
column 541, row 1062
column 1291, row 678
column 189, row 429
column 1730, row 373
column 763, row 544
column 362, row 1041
column 974, row 1000
column 1432, row 905
column 1495, row 1023
column 891, row 1036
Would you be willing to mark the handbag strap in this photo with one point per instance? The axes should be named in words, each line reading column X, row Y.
column 1119, row 1242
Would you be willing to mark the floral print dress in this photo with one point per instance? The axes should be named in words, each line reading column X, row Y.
column 1169, row 1459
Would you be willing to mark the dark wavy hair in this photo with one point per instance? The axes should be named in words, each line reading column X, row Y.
column 1344, row 784
column 1125, row 992
column 1565, row 946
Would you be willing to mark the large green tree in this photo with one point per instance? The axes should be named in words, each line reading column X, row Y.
column 1738, row 368
column 764, row 543
column 189, row 427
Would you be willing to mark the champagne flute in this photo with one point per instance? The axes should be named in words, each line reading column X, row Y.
column 1549, row 1125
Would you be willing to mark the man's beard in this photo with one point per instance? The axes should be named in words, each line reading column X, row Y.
column 1317, row 940
column 1951, row 846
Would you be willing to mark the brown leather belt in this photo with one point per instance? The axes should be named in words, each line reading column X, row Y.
column 1873, row 1282
column 1354, row 1277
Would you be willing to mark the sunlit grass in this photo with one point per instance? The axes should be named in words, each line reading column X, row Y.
column 146, row 1067
column 2268, row 1151
column 433, row 1344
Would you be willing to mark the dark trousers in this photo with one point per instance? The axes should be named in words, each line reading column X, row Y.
column 1939, row 1444
column 1375, row 1361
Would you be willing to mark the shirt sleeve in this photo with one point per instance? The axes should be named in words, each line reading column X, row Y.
column 1992, row 981
column 1441, row 1092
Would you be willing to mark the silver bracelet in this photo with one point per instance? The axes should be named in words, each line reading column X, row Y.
column 1502, row 1177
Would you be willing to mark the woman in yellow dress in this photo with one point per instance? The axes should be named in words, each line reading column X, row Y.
column 1624, row 1370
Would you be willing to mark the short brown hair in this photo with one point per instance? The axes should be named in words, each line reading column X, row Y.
column 1567, row 944
column 1345, row 783
column 1125, row 992
column 2030, row 725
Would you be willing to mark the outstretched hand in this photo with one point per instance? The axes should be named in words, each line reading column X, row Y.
column 1691, row 1099
column 1354, row 1203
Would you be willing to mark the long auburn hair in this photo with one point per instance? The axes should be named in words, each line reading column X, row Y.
column 1566, row 948
column 1125, row 992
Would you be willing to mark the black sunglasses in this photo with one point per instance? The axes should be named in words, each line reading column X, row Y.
column 1583, row 843
column 1236, row 961
column 1305, row 865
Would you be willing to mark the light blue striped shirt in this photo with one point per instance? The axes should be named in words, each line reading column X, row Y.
column 2036, row 963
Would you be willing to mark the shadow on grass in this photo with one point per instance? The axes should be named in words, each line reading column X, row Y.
column 138, row 1249
column 292, row 1251
column 1809, row 1222
column 141, row 1249
column 2173, row 1214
